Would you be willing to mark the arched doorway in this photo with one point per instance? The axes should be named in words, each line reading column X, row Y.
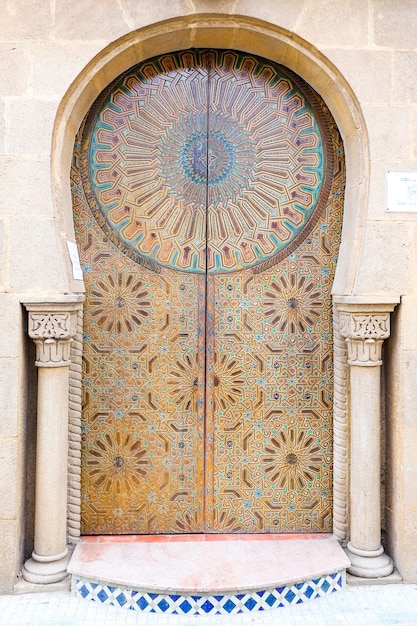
column 208, row 195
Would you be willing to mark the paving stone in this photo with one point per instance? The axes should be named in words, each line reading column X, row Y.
column 374, row 605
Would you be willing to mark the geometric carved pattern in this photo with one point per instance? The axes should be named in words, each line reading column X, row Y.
column 206, row 143
column 365, row 333
column 51, row 325
column 208, row 396
column 52, row 334
column 365, row 325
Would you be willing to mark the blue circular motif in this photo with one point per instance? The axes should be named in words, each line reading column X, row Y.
column 207, row 158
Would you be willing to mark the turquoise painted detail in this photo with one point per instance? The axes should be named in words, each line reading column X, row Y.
column 181, row 153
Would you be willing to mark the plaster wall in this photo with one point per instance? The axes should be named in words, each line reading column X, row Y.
column 49, row 47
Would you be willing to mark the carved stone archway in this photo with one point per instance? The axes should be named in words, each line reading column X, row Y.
column 281, row 46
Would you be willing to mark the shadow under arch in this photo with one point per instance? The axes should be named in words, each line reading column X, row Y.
column 255, row 37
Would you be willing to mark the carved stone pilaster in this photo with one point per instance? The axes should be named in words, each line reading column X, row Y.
column 365, row 324
column 52, row 325
column 364, row 334
column 52, row 334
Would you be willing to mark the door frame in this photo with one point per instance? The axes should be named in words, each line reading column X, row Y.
column 278, row 45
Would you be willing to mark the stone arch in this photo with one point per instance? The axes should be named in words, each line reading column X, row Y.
column 222, row 31
column 266, row 40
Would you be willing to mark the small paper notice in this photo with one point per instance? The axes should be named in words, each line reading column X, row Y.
column 75, row 260
column 402, row 191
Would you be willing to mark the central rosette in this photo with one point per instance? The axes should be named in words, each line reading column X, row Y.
column 203, row 163
column 207, row 158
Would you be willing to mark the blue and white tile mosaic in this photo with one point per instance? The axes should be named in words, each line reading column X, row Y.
column 206, row 604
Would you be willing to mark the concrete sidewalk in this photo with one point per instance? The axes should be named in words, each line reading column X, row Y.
column 374, row 605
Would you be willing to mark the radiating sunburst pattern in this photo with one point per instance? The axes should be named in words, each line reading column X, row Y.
column 293, row 458
column 117, row 463
column 183, row 382
column 199, row 160
column 214, row 143
column 119, row 302
column 227, row 381
column 293, row 303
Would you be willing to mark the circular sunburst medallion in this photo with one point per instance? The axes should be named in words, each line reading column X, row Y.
column 116, row 462
column 207, row 161
column 119, row 302
column 206, row 168
column 293, row 458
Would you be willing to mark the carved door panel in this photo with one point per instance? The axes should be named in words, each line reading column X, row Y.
column 208, row 191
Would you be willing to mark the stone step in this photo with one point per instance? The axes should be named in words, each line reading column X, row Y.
column 207, row 574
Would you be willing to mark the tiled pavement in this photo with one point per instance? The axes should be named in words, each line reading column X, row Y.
column 374, row 605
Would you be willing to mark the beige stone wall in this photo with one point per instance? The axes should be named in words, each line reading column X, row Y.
column 363, row 50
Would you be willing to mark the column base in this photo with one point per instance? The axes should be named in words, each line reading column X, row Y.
column 43, row 570
column 369, row 563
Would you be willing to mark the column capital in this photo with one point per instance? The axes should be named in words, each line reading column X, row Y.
column 364, row 325
column 52, row 326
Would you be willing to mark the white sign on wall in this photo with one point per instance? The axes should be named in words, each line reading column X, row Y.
column 402, row 191
column 75, row 260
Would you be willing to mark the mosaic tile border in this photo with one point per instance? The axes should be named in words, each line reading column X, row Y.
column 207, row 604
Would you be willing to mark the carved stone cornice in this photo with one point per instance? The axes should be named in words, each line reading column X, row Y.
column 52, row 326
column 364, row 327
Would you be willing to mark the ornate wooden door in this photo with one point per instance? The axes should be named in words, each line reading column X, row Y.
column 208, row 190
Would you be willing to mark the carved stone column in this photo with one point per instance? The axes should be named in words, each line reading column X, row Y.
column 51, row 326
column 365, row 326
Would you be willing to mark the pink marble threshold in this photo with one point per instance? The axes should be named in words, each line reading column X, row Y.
column 201, row 565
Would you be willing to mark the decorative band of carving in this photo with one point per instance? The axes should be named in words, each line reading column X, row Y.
column 340, row 435
column 365, row 325
column 51, row 325
column 74, row 435
column 365, row 352
column 52, row 352
column 52, row 334
column 364, row 334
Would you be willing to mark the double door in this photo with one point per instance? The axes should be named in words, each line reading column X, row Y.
column 207, row 210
